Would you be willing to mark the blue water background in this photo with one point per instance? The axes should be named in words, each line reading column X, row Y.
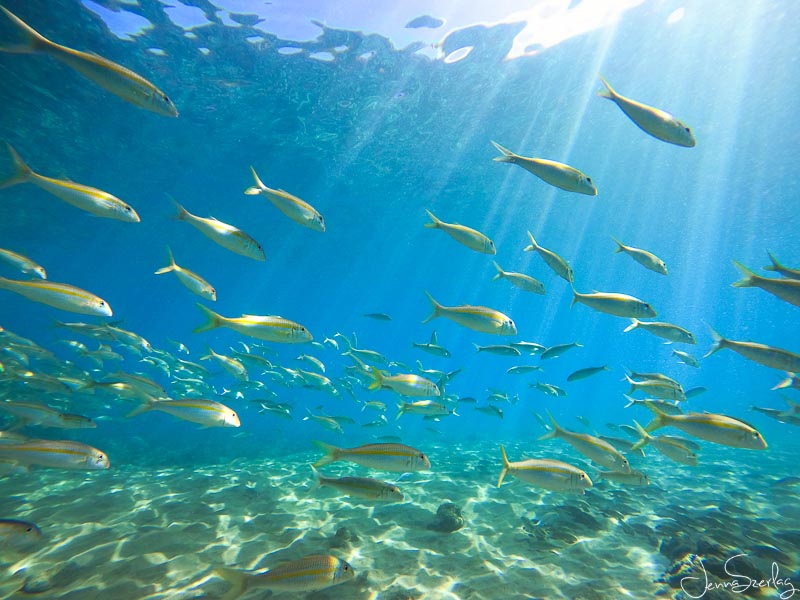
column 371, row 145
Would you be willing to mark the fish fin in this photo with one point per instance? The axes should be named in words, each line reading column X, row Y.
column 436, row 311
column 775, row 264
column 436, row 222
column 22, row 172
column 508, row 155
column 182, row 212
column 631, row 401
column 500, row 273
column 33, row 42
column 534, row 246
column 661, row 419
column 401, row 409
column 717, row 345
column 645, row 438
column 433, row 338
column 506, row 464
column 576, row 298
column 237, row 579
column 784, row 383
column 749, row 279
column 331, row 453
column 377, row 378
column 171, row 266
column 620, row 245
column 608, row 92
column 142, row 408
column 634, row 324
column 319, row 480
column 213, row 320
column 258, row 187
column 556, row 429
column 477, row 347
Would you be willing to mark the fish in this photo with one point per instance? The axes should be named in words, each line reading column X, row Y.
column 787, row 290
column 56, row 454
column 398, row 458
column 529, row 347
column 587, row 372
column 549, row 389
column 313, row 360
column 405, row 384
column 520, row 280
column 22, row 263
column 671, row 408
column 428, row 408
column 234, row 367
column 647, row 259
column 432, row 347
column 558, row 350
column 631, row 478
column 110, row 76
column 33, row 413
column 499, row 350
column 779, row 268
column 667, row 390
column 559, row 266
column 204, row 412
column 89, row 199
column 297, row 210
column 673, row 448
column 667, row 331
column 190, row 280
column 620, row 305
column 268, row 328
column 555, row 173
column 491, row 410
column 363, row 488
column 58, row 295
column 620, row 444
column 477, row 318
column 775, row 358
column 19, row 536
column 720, row 429
column 546, row 473
column 792, row 381
column 590, row 446
column 227, row 236
column 307, row 574
column 658, row 123
column 466, row 236
column 523, row 369
column 695, row 391
column 686, row 358
column 327, row 422
column 378, row 316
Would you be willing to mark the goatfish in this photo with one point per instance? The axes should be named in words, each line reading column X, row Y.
column 520, row 280
column 477, row 318
column 110, row 76
column 498, row 349
column 587, row 372
column 293, row 207
column 307, row 574
column 658, row 123
column 59, row 295
column 190, row 280
column 686, row 358
column 631, row 478
column 590, row 446
column 620, row 305
column 775, row 358
column 227, row 236
column 523, row 369
column 780, row 269
column 545, row 473
column 31, row 413
column 658, row 388
column 89, row 199
column 555, row 173
column 204, row 412
column 785, row 289
column 427, row 408
column 363, row 488
column 529, row 347
column 55, row 453
column 405, row 384
column 647, row 259
column 269, row 328
column 554, row 261
column 559, row 349
column 671, row 408
column 234, row 367
column 676, row 449
column 22, row 263
column 398, row 458
column 667, row 331
column 432, row 347
column 491, row 410
column 467, row 236
column 720, row 429
column 18, row 535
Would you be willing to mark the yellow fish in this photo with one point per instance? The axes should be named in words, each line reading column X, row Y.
column 56, row 454
column 225, row 235
column 385, row 457
column 478, row 318
column 269, row 328
column 720, row 429
column 109, row 75
column 204, row 412
column 546, row 473
column 293, row 207
column 471, row 238
column 190, row 280
column 22, row 263
column 59, row 295
column 555, row 173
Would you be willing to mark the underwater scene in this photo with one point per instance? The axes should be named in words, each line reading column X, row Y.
column 399, row 299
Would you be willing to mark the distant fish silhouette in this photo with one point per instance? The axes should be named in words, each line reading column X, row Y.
column 424, row 21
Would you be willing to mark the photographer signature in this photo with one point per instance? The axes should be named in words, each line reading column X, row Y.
column 742, row 583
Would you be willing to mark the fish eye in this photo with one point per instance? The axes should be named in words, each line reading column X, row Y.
column 589, row 179
column 687, row 129
column 422, row 456
column 165, row 98
column 29, row 529
column 102, row 303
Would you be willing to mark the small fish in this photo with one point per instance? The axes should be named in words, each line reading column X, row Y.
column 467, row 236
column 529, row 347
column 671, row 408
column 775, row 358
column 491, row 410
column 548, row 474
column 554, row 261
column 667, row 331
column 55, row 453
column 549, row 389
column 432, row 347
column 307, row 574
column 666, row 390
column 695, row 391
column 620, row 444
column 499, row 350
column 33, row 413
column 555, row 173
column 293, row 207
column 269, row 328
column 326, row 422
column 661, row 125
column 428, row 408
column 405, row 384
column 227, row 236
column 384, row 457
column 91, row 200
column 477, row 318
column 313, row 360
column 22, row 263
column 673, row 448
column 19, row 536
column 720, row 429
column 367, row 355
column 620, row 305
column 785, row 289
column 378, row 316
column 523, row 369
column 520, row 280
column 686, row 358
column 647, row 259
column 587, row 372
column 204, row 412
column 779, row 268
column 631, row 478
column 110, row 76
column 558, row 350
column 590, row 446
column 190, row 280
column 58, row 295
column 234, row 367
column 363, row 488
column 791, row 381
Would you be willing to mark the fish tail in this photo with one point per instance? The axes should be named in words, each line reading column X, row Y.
column 213, row 320
column 785, row 383
column 258, row 187
column 331, row 453
column 749, row 279
column 182, row 212
column 717, row 345
column 436, row 311
column 377, row 378
column 576, row 297
column 142, row 408
column 631, row 401
column 171, row 266
column 319, row 479
column 500, row 273
column 775, row 264
column 22, row 172
column 436, row 222
column 534, row 246
column 661, row 419
column 33, row 40
column 401, row 409
column 634, row 324
column 506, row 464
column 237, row 579
column 632, row 382
column 556, row 429
column 620, row 245
column 508, row 155
column 608, row 92
column 645, row 438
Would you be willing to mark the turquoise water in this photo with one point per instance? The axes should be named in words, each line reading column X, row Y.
column 372, row 123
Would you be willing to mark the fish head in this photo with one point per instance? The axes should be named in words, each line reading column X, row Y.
column 231, row 419
column 489, row 247
column 210, row 293
column 420, row 462
column 344, row 572
column 301, row 334
column 40, row 272
column 586, row 186
column 161, row 104
column 685, row 136
column 124, row 212
column 19, row 535
column 393, row 494
column 583, row 481
column 507, row 327
column 101, row 308
column 317, row 223
column 662, row 267
column 646, row 310
column 624, row 465
column 755, row 440
column 692, row 339
column 97, row 461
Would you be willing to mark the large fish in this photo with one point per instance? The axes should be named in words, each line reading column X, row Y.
column 55, row 454
column 478, row 318
column 59, row 295
column 776, row 358
column 720, row 429
column 225, row 235
column 385, row 457
column 555, row 173
column 785, row 289
column 546, row 473
column 269, row 328
column 620, row 305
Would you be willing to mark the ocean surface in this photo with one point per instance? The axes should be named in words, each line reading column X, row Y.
column 373, row 113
